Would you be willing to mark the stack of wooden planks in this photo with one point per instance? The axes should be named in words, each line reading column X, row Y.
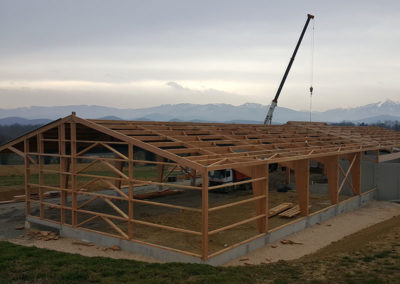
column 22, row 198
column 291, row 212
column 280, row 208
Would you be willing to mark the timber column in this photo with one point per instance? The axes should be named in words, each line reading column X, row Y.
column 260, row 188
column 204, row 216
column 302, row 176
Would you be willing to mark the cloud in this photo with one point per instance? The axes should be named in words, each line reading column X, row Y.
column 142, row 54
column 176, row 86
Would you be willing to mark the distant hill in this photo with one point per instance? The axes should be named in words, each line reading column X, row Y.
column 23, row 121
column 379, row 118
column 246, row 113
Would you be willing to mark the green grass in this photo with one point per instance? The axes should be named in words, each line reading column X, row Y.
column 28, row 265
column 20, row 264
column 16, row 181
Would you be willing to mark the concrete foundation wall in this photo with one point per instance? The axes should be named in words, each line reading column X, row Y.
column 172, row 256
column 368, row 175
column 388, row 181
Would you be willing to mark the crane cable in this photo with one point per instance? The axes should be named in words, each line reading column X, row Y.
column 312, row 67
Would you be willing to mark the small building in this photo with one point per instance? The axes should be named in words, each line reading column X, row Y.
column 145, row 186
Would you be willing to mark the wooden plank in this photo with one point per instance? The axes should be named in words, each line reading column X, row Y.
column 74, row 181
column 117, row 153
column 248, row 220
column 236, row 203
column 302, row 177
column 40, row 148
column 260, row 188
column 131, row 193
column 388, row 157
column 116, row 208
column 139, row 143
column 63, row 167
column 115, row 227
column 204, row 216
column 167, row 205
column 280, row 208
column 34, row 133
column 292, row 212
column 27, row 174
column 119, row 166
column 331, row 165
column 160, row 171
column 114, row 169
column 113, row 186
column 87, row 148
column 345, row 177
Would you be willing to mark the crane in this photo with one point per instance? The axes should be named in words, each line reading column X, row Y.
column 274, row 103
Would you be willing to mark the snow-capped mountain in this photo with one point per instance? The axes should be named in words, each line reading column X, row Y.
column 248, row 112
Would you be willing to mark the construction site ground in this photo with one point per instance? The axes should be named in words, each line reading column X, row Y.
column 177, row 218
column 12, row 218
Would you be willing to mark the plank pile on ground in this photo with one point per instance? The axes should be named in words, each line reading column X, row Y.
column 280, row 208
column 34, row 196
column 291, row 212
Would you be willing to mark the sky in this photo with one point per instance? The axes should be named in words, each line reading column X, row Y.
column 135, row 54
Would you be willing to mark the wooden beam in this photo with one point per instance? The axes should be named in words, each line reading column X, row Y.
column 192, row 177
column 119, row 165
column 40, row 148
column 331, row 165
column 114, row 169
column 260, row 188
column 204, row 216
column 35, row 132
column 74, row 182
column 138, row 143
column 302, row 177
column 116, row 208
column 130, row 188
column 388, row 157
column 63, row 168
column 117, row 153
column 115, row 227
column 352, row 159
column 160, row 171
column 27, row 175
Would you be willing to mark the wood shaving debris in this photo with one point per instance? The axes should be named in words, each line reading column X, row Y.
column 290, row 242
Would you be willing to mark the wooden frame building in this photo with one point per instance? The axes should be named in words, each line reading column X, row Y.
column 197, row 149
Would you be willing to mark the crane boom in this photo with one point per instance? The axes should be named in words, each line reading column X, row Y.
column 274, row 103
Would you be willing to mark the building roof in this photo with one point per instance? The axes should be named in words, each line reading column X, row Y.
column 218, row 145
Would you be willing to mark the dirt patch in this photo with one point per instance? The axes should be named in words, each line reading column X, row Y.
column 373, row 236
column 321, row 235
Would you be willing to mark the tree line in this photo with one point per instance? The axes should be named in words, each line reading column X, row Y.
column 10, row 132
column 392, row 125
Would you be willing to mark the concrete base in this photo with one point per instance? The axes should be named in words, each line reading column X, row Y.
column 168, row 255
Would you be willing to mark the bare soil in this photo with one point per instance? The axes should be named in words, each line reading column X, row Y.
column 326, row 234
column 187, row 219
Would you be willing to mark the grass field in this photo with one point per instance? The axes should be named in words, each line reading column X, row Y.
column 12, row 179
column 369, row 256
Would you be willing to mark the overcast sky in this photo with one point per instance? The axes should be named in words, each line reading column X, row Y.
column 134, row 54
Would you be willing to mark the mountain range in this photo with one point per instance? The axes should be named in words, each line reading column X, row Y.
column 246, row 113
